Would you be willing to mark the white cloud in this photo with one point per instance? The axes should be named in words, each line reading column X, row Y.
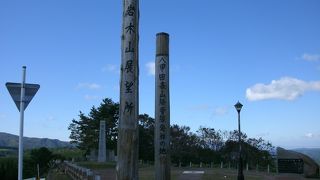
column 90, row 97
column 220, row 111
column 91, row 86
column 309, row 135
column 151, row 68
column 311, row 57
column 200, row 107
column 216, row 111
column 286, row 88
column 111, row 68
column 264, row 134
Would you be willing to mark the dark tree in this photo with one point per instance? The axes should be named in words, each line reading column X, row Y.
column 208, row 145
column 254, row 151
column 184, row 145
column 146, row 137
column 43, row 157
column 8, row 168
column 85, row 130
column 210, row 138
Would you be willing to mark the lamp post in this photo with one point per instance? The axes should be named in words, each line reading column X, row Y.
column 238, row 107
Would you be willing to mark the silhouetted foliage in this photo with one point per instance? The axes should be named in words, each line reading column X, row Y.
column 85, row 130
column 42, row 156
column 210, row 138
column 254, row 151
column 206, row 145
column 146, row 137
column 8, row 168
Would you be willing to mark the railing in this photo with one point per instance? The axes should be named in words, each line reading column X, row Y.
column 76, row 172
column 230, row 165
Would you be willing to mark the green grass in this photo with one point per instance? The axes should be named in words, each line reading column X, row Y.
column 69, row 153
column 96, row 165
column 53, row 175
column 147, row 172
column 223, row 174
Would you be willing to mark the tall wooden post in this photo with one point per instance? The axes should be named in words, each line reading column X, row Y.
column 162, row 108
column 127, row 147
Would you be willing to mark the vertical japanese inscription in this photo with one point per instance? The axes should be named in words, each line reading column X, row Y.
column 127, row 164
column 128, row 92
column 162, row 64
column 162, row 109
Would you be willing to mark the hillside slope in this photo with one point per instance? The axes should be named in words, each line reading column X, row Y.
column 314, row 153
column 10, row 140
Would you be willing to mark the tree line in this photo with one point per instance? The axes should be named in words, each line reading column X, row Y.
column 41, row 157
column 206, row 145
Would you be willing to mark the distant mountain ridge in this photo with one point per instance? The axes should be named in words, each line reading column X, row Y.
column 10, row 140
column 314, row 153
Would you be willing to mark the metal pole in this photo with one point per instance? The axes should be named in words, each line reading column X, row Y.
column 20, row 161
column 240, row 169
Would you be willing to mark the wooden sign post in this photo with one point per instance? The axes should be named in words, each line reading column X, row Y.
column 128, row 141
column 162, row 108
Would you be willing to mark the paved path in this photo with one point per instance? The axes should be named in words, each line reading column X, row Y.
column 287, row 177
column 191, row 175
column 194, row 174
column 108, row 174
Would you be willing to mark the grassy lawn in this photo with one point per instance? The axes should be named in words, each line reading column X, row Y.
column 146, row 172
column 69, row 153
column 53, row 175
column 60, row 177
column 96, row 165
column 224, row 174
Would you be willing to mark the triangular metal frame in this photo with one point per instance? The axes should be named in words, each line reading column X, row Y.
column 15, row 92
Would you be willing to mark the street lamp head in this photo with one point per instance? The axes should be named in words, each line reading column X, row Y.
column 238, row 106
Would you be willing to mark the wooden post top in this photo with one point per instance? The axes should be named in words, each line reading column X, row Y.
column 162, row 44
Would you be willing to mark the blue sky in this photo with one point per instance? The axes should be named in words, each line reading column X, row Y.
column 266, row 54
